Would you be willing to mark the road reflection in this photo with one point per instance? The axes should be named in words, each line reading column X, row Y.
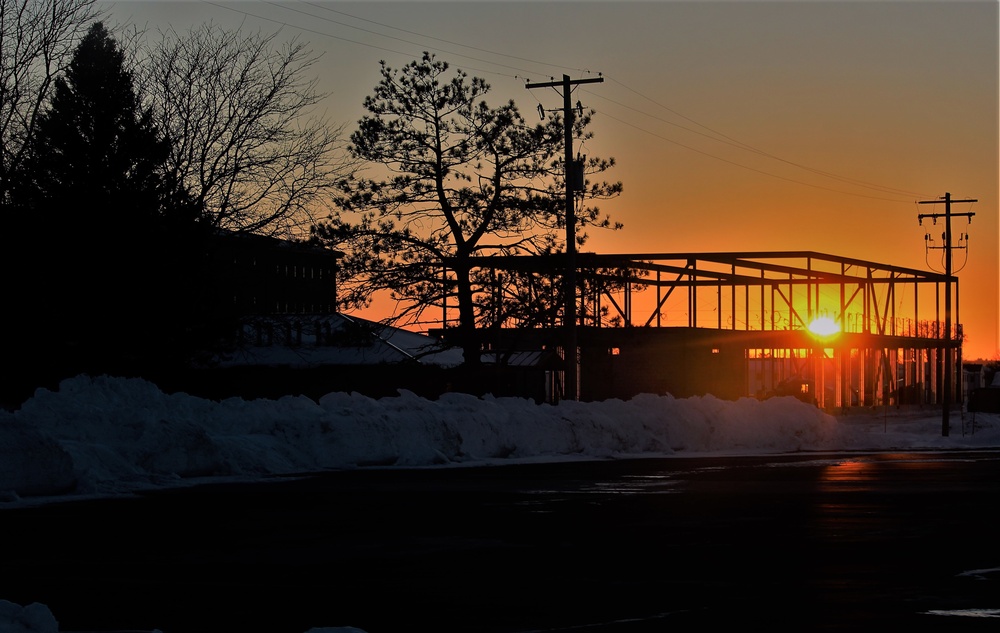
column 823, row 541
column 852, row 474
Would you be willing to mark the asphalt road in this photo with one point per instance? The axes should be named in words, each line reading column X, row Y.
column 860, row 542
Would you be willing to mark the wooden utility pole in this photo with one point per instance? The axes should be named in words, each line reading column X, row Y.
column 569, row 281
column 947, row 215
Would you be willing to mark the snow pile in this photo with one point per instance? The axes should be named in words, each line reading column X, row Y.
column 38, row 618
column 101, row 435
column 33, row 618
column 106, row 436
column 31, row 461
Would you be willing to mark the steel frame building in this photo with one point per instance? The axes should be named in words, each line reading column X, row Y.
column 736, row 324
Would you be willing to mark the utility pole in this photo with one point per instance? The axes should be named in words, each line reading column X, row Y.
column 572, row 369
column 947, row 215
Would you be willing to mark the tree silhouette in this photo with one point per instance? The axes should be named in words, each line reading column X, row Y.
column 462, row 180
column 239, row 110
column 37, row 40
column 95, row 143
column 109, row 236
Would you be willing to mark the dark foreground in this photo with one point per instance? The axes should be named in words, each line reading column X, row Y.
column 799, row 543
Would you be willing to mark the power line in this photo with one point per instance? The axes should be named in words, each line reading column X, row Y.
column 285, row 6
column 438, row 39
column 753, row 169
column 715, row 135
column 302, row 28
column 723, row 138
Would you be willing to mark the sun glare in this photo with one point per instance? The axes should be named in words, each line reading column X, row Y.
column 824, row 326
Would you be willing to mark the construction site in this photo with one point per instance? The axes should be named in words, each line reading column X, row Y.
column 834, row 331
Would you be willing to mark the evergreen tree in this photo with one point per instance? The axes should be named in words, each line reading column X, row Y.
column 112, row 239
column 95, row 143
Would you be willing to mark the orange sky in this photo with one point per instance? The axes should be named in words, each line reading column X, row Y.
column 736, row 125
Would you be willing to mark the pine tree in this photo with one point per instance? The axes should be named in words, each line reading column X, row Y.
column 95, row 143
column 107, row 226
column 466, row 181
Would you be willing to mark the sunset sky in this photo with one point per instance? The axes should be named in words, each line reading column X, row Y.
column 736, row 126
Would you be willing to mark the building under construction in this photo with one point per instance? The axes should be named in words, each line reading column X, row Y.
column 831, row 330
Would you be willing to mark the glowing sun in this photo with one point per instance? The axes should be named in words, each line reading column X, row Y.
column 824, row 326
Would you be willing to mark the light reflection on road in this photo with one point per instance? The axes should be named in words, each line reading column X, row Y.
column 967, row 613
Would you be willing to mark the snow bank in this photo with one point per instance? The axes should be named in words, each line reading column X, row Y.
column 101, row 435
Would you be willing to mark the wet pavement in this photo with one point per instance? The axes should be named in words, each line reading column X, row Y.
column 806, row 542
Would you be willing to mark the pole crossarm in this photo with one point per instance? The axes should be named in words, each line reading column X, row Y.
column 562, row 82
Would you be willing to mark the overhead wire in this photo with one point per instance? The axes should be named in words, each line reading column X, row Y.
column 714, row 134
column 965, row 248
column 736, row 143
column 301, row 28
column 742, row 166
column 430, row 37
column 944, row 247
column 289, row 8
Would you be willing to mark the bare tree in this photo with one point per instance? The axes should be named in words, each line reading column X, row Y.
column 239, row 111
column 37, row 40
